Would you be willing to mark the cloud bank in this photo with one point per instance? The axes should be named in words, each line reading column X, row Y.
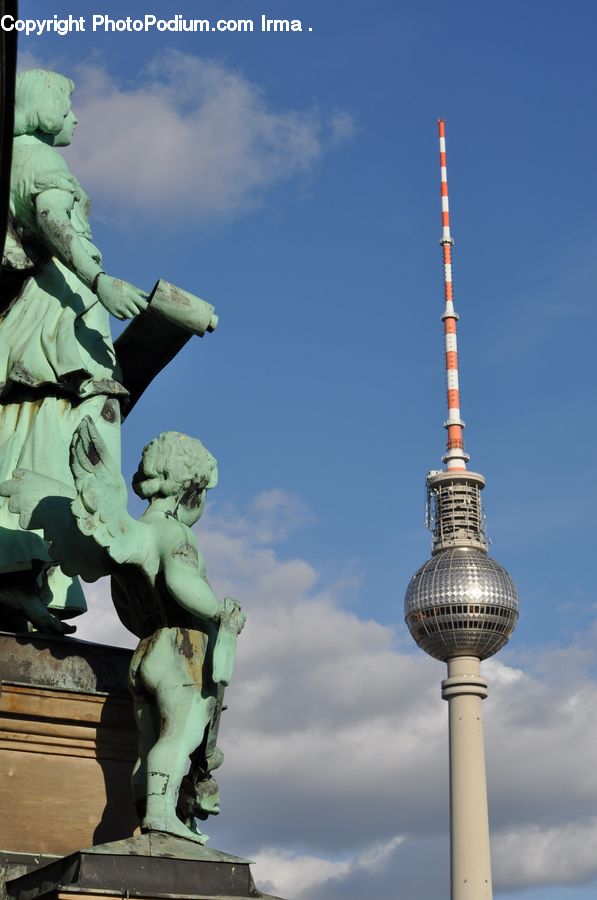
column 336, row 778
column 190, row 138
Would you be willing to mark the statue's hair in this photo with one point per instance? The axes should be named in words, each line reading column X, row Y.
column 171, row 462
column 42, row 100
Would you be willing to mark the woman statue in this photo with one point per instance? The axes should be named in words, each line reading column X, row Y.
column 57, row 360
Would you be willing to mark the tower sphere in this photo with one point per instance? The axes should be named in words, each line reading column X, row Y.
column 461, row 603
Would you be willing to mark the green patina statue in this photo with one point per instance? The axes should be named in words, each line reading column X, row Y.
column 58, row 363
column 64, row 389
column 187, row 637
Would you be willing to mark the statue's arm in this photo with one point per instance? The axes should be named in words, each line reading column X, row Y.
column 184, row 573
column 53, row 207
column 190, row 589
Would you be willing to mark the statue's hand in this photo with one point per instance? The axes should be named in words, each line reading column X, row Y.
column 231, row 615
column 119, row 297
column 231, row 621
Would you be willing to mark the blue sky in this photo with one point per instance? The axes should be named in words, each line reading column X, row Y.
column 293, row 181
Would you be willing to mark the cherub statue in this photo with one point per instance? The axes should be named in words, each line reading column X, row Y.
column 187, row 637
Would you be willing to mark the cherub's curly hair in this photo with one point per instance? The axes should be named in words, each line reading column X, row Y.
column 172, row 462
column 42, row 100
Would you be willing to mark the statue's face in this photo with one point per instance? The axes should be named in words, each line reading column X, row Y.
column 65, row 135
column 191, row 505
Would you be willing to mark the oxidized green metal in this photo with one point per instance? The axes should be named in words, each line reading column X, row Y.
column 187, row 645
column 62, row 396
column 57, row 360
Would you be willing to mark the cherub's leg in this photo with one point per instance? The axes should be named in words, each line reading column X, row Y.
column 148, row 733
column 184, row 714
column 147, row 727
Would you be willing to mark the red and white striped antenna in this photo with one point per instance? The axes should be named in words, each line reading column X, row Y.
column 455, row 457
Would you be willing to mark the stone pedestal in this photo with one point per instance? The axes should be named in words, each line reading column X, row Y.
column 147, row 866
column 67, row 747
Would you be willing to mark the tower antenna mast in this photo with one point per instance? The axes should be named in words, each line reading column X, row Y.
column 455, row 457
column 461, row 607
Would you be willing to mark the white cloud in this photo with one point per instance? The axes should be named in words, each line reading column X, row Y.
column 531, row 856
column 270, row 517
column 294, row 874
column 189, row 138
column 336, row 771
column 101, row 623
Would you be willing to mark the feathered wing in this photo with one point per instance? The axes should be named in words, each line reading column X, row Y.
column 26, row 490
column 99, row 508
column 44, row 504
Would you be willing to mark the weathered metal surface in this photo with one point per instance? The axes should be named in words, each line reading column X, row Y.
column 63, row 663
column 160, row 844
column 63, row 391
column 184, row 309
column 161, row 593
column 151, row 865
column 54, row 328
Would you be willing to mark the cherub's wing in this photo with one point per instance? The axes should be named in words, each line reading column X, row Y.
column 44, row 504
column 26, row 490
column 100, row 505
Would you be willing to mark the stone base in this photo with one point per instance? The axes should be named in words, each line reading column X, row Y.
column 146, row 866
column 67, row 745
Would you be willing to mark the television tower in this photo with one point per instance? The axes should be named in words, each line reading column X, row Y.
column 461, row 607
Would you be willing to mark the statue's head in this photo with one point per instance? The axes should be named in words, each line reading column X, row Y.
column 43, row 106
column 174, row 465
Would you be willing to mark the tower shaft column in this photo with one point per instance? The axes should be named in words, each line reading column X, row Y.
column 464, row 689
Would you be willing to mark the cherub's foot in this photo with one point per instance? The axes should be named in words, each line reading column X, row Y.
column 173, row 825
